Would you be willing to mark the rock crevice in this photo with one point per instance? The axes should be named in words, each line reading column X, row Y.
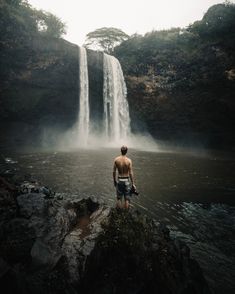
column 81, row 246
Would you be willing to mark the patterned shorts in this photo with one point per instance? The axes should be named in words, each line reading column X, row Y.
column 124, row 189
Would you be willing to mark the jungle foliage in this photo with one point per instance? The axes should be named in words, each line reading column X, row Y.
column 201, row 54
column 20, row 23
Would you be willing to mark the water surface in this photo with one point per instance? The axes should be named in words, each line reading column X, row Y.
column 193, row 195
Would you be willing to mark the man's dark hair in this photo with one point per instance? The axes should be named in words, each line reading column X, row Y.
column 124, row 150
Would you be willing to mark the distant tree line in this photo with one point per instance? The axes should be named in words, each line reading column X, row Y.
column 19, row 20
column 202, row 53
column 19, row 24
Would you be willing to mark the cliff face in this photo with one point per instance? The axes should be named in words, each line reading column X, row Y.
column 43, row 90
column 201, row 116
column 45, row 86
column 95, row 74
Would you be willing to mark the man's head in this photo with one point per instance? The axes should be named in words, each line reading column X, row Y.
column 124, row 150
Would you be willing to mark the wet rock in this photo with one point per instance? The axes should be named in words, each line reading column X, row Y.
column 8, row 205
column 79, row 246
column 135, row 255
column 16, row 240
column 31, row 204
column 80, row 242
column 34, row 187
column 44, row 255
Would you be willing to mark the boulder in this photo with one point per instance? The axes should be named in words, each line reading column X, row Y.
column 80, row 246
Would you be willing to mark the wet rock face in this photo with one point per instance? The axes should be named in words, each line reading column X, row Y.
column 79, row 246
column 95, row 74
column 40, row 98
column 41, row 92
column 45, row 247
column 134, row 254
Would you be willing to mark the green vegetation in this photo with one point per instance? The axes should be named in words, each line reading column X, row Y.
column 199, row 54
column 183, row 80
column 19, row 25
column 20, row 21
column 105, row 39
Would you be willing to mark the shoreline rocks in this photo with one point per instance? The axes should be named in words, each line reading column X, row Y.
column 82, row 246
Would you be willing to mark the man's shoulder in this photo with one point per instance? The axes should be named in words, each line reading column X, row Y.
column 117, row 158
column 120, row 158
column 128, row 158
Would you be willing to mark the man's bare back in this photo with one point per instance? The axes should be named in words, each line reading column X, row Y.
column 125, row 177
column 123, row 165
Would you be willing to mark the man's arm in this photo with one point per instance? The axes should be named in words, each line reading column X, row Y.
column 114, row 173
column 131, row 173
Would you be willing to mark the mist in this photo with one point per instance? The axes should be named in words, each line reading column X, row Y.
column 70, row 140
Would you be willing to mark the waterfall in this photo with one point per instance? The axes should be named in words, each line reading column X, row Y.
column 116, row 121
column 116, row 108
column 84, row 112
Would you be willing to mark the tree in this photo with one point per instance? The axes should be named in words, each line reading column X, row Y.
column 49, row 25
column 105, row 39
column 218, row 22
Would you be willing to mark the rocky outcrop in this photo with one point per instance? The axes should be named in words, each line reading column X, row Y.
column 135, row 254
column 82, row 246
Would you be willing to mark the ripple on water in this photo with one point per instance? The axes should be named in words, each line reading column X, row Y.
column 194, row 196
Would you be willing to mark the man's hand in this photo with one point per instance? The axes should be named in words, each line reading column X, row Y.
column 133, row 190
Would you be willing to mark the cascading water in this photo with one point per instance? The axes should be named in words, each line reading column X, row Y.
column 116, row 108
column 84, row 111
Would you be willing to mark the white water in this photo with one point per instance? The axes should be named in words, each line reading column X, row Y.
column 84, row 111
column 115, row 127
column 116, row 108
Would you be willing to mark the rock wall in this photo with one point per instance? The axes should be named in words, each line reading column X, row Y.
column 43, row 91
column 198, row 117
column 95, row 72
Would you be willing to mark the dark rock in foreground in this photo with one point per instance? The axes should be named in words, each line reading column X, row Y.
column 81, row 246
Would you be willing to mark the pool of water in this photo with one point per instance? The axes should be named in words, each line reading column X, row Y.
column 193, row 194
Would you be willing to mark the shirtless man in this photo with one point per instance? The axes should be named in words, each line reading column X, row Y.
column 125, row 177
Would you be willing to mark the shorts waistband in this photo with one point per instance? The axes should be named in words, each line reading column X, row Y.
column 124, row 179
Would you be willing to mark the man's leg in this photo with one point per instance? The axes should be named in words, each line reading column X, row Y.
column 119, row 203
column 127, row 204
column 120, row 194
column 127, row 195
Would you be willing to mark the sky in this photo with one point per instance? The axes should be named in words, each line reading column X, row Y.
column 131, row 16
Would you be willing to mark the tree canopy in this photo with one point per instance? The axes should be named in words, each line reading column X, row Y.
column 49, row 24
column 198, row 55
column 217, row 24
column 19, row 24
column 19, row 20
column 105, row 39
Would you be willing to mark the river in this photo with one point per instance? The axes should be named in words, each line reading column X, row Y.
column 193, row 193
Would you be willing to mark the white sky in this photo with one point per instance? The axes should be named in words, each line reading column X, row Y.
column 131, row 16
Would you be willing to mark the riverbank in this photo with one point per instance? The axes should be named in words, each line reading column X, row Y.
column 55, row 245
